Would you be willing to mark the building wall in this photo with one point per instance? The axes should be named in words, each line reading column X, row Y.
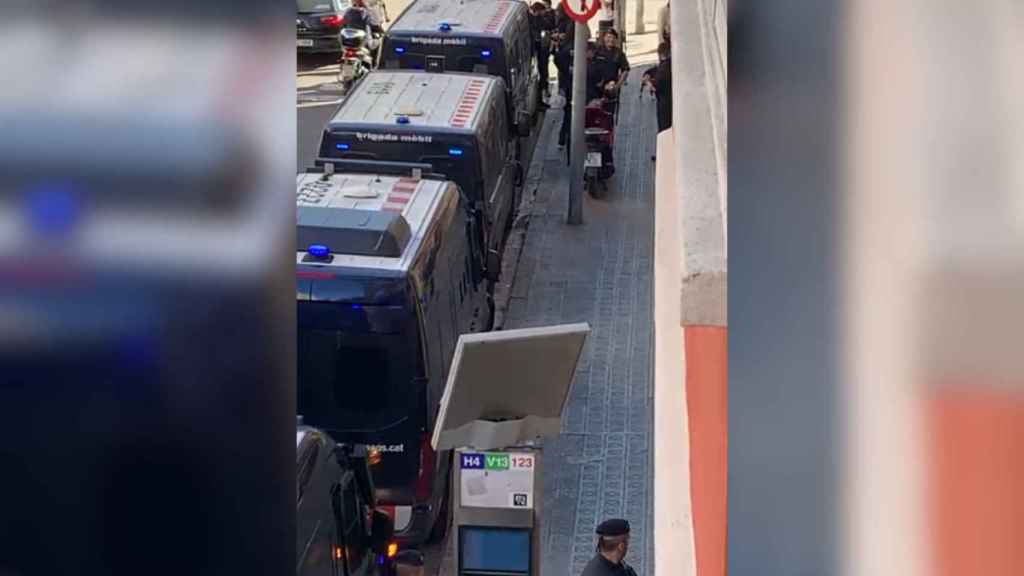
column 705, row 354
column 691, row 349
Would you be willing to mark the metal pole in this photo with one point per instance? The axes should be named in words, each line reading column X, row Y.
column 638, row 27
column 620, row 21
column 577, row 146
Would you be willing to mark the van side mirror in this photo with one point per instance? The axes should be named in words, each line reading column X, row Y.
column 382, row 530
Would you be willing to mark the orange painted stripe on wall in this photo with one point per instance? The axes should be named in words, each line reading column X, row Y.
column 706, row 353
column 977, row 482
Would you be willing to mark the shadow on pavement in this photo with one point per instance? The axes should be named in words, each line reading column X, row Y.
column 310, row 62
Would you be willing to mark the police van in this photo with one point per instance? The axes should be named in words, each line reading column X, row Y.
column 480, row 36
column 387, row 280
column 452, row 122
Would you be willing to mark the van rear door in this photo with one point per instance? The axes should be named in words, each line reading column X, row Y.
column 358, row 380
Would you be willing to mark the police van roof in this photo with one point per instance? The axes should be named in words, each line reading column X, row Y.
column 465, row 17
column 423, row 99
column 365, row 220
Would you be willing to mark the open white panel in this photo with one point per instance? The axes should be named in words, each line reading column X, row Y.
column 508, row 388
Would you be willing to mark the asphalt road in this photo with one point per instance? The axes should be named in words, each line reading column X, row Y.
column 311, row 121
column 318, row 95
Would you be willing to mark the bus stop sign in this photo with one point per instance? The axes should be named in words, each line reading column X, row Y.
column 505, row 391
column 497, row 479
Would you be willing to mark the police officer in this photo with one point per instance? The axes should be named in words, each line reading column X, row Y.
column 542, row 24
column 564, row 61
column 359, row 16
column 611, row 66
column 663, row 86
column 612, row 545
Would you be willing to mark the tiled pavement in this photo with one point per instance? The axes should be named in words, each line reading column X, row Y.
column 599, row 273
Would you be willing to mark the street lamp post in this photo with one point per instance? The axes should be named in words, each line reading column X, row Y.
column 576, row 142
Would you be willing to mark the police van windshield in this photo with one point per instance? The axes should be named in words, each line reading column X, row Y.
column 352, row 380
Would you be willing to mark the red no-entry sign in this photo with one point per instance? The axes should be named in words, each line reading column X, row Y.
column 586, row 14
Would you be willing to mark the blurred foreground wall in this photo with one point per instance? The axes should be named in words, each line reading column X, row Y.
column 876, row 393
column 690, row 302
column 147, row 397
column 933, row 259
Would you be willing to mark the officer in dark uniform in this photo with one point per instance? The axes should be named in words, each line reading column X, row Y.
column 360, row 17
column 542, row 25
column 612, row 545
column 611, row 67
column 564, row 61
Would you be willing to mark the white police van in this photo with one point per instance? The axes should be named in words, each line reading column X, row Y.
column 453, row 123
column 387, row 280
column 481, row 36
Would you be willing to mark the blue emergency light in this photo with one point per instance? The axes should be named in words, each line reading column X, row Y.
column 399, row 50
column 52, row 209
column 402, row 120
column 485, row 53
column 318, row 250
column 455, row 151
column 341, row 146
column 445, row 27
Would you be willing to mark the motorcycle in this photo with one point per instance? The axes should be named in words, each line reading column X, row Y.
column 599, row 135
column 356, row 57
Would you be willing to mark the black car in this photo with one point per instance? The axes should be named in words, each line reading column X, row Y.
column 318, row 23
column 339, row 531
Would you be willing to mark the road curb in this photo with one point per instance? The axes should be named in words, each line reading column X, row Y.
column 521, row 224
column 321, row 95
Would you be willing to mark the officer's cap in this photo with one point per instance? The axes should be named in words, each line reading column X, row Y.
column 613, row 527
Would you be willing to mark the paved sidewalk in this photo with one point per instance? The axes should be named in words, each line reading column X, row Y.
column 599, row 273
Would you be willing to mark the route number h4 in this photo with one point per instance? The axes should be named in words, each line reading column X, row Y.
column 473, row 461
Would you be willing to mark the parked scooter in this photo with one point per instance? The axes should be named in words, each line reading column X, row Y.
column 599, row 135
column 356, row 57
